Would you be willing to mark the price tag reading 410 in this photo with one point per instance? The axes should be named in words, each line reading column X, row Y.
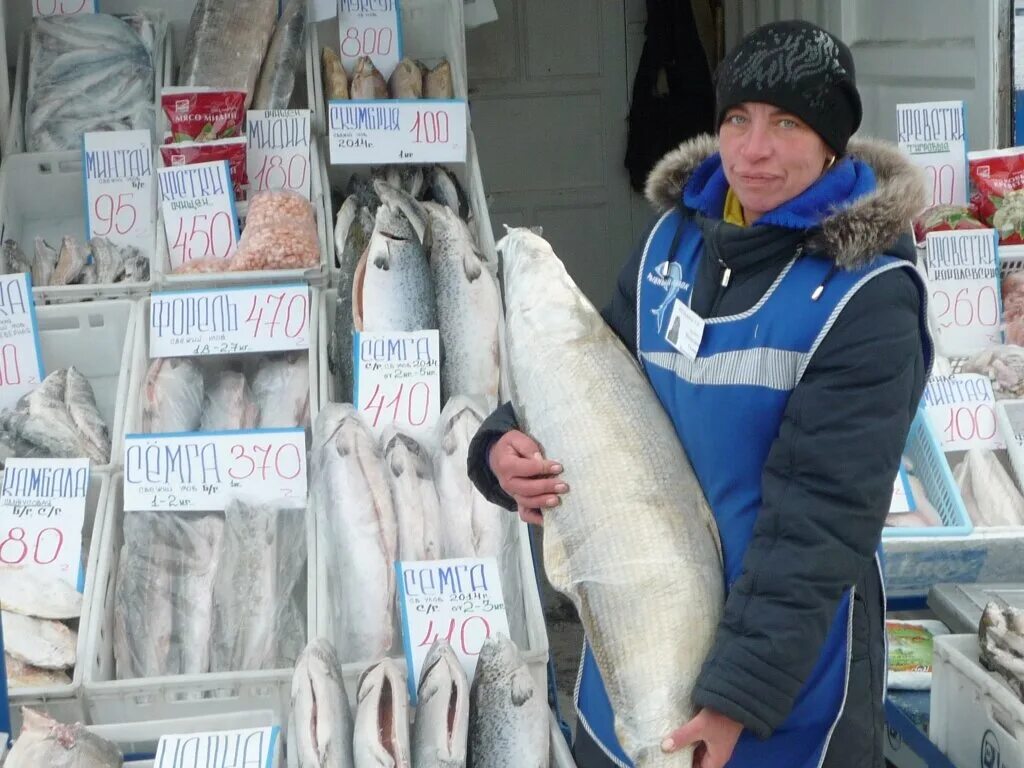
column 370, row 28
column 963, row 276
column 229, row 321
column 397, row 381
column 119, row 187
column 198, row 206
column 962, row 408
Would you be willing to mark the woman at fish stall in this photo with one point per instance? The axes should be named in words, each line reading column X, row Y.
column 781, row 248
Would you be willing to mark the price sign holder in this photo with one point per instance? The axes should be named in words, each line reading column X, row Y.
column 459, row 599
column 205, row 471
column 42, row 514
column 370, row 28
column 397, row 131
column 21, row 356
column 963, row 282
column 902, row 495
column 227, row 321
column 962, row 410
column 398, row 381
column 117, row 170
column 243, row 747
column 934, row 136
column 63, row 7
column 277, row 154
column 198, row 206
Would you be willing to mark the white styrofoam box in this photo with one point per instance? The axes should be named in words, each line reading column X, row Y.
column 96, row 337
column 42, row 194
column 64, row 702
column 15, row 140
column 137, row 361
column 975, row 718
column 318, row 275
column 109, row 701
column 431, row 29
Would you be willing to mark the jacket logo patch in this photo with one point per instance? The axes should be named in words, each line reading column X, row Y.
column 667, row 275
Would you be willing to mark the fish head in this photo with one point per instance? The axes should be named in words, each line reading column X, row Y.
column 499, row 656
column 460, row 419
column 328, row 420
column 401, row 205
column 404, row 453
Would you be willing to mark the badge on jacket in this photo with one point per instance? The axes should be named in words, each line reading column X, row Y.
column 685, row 330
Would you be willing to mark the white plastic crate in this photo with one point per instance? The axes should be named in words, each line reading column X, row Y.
column 41, row 194
column 64, row 702
column 975, row 719
column 109, row 700
column 96, row 338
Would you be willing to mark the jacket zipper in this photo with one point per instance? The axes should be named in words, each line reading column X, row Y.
column 723, row 283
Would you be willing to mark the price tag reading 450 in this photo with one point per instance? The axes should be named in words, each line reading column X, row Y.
column 198, row 206
column 206, row 471
column 398, row 381
column 229, row 321
column 962, row 410
column 397, row 131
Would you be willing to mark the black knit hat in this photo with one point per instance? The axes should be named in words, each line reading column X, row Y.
column 799, row 67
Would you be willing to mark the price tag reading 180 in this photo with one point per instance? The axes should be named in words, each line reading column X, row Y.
column 397, row 131
column 198, row 206
column 229, row 321
column 278, row 150
column 962, row 410
column 370, row 28
column 62, row 7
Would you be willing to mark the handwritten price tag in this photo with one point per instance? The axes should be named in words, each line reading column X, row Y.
column 934, row 135
column 62, row 7
column 277, row 154
column 962, row 410
column 42, row 513
column 370, row 28
column 205, row 471
column 119, row 188
column 251, row 746
column 459, row 599
column 398, row 381
column 229, row 321
column 21, row 361
column 902, row 495
column 198, row 206
column 397, row 131
column 963, row 275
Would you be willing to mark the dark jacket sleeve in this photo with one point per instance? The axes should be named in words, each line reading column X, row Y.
column 826, row 490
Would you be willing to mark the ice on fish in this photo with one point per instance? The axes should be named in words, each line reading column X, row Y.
column 283, row 60
column 172, row 396
column 281, row 387
column 39, row 642
column 441, row 728
column 46, row 742
column 38, row 594
column 81, row 406
column 14, row 258
column 136, row 265
column 229, row 404
column 22, row 675
column 411, row 478
column 109, row 259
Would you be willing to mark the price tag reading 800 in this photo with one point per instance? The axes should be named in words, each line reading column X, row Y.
column 62, row 7
column 370, row 28
column 373, row 41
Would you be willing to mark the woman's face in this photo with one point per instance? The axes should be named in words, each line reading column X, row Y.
column 769, row 156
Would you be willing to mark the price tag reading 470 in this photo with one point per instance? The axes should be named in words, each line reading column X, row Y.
column 206, row 471
column 398, row 381
column 119, row 187
column 198, row 206
column 962, row 408
column 21, row 362
column 229, row 321
column 397, row 131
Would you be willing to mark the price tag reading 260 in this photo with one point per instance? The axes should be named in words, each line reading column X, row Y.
column 198, row 206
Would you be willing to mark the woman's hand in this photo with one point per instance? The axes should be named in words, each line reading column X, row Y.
column 716, row 736
column 524, row 474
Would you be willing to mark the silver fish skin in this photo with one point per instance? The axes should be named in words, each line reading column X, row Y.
column 381, row 735
column 411, row 477
column 109, row 259
column 284, row 57
column 229, row 404
column 38, row 594
column 45, row 742
column 441, row 729
column 357, row 236
column 444, row 188
column 508, row 712
column 321, row 733
column 281, row 389
column 71, row 261
column 39, row 642
column 367, row 81
column 80, row 402
column 395, row 196
column 468, row 309
column 361, row 534
column 199, row 542
column 22, row 675
column 44, row 263
column 42, row 420
column 172, row 396
column 612, row 564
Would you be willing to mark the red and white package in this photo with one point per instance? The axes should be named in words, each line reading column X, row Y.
column 232, row 150
column 944, row 218
column 998, row 197
column 203, row 114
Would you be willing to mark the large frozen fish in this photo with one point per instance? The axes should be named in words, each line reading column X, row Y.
column 443, row 187
column 406, row 82
column 284, row 57
column 989, row 493
column 437, row 83
column 229, row 404
column 281, row 388
column 441, row 728
column 415, row 498
column 22, row 675
column 335, row 78
column 357, row 523
column 70, row 262
column 172, row 396
column 199, row 551
column 38, row 594
column 226, row 43
column 508, row 721
column 656, row 576
column 45, row 742
column 468, row 309
column 321, row 730
column 352, row 235
column 381, row 737
column 367, row 81
column 39, row 642
column 80, row 402
column 44, row 263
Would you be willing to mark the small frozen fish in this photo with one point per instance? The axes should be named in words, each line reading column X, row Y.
column 21, row 675
column 437, row 84
column 281, row 388
column 39, row 642
column 989, row 494
column 109, row 260
column 406, row 82
column 70, row 262
column 80, row 401
column 441, row 728
column 172, row 396
column 321, row 732
column 89, row 275
column 381, row 736
column 38, row 594
column 44, row 263
column 14, row 259
column 335, row 78
column 367, row 81
column 45, row 742
column 136, row 265
column 229, row 404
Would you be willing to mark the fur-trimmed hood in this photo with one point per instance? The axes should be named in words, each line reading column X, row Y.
column 851, row 235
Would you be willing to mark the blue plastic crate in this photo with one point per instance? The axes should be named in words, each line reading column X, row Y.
column 932, row 469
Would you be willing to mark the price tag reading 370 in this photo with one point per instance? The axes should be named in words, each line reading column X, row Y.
column 119, row 188
column 229, row 321
column 198, row 206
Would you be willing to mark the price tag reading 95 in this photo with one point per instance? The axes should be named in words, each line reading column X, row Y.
column 119, row 188
column 962, row 409
column 934, row 135
column 205, row 471
column 397, row 131
column 62, row 7
column 277, row 154
column 198, row 207
column 397, row 381
column 963, row 279
column 370, row 28
column 229, row 321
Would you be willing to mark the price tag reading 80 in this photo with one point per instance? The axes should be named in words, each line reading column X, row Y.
column 22, row 546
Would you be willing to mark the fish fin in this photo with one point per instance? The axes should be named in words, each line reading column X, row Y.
column 425, row 694
column 383, row 262
column 472, row 263
column 449, row 443
column 396, row 464
column 522, row 687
